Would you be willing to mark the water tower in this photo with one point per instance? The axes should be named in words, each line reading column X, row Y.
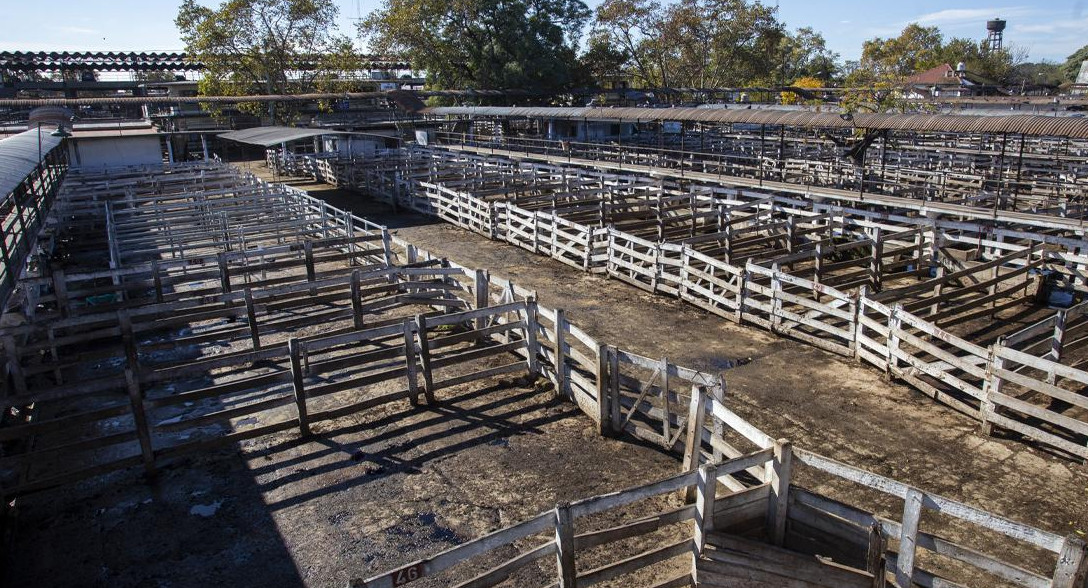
column 996, row 29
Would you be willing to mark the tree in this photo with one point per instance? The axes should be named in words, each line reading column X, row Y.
column 804, row 54
column 269, row 46
column 483, row 44
column 916, row 49
column 1071, row 67
column 802, row 83
column 875, row 82
column 154, row 76
column 980, row 59
column 1042, row 73
column 693, row 43
column 601, row 61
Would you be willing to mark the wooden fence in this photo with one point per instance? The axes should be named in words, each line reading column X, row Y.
column 134, row 394
column 740, row 499
column 903, row 340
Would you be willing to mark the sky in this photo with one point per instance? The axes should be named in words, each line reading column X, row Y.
column 1051, row 29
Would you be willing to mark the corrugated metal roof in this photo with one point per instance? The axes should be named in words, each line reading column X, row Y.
column 175, row 100
column 1028, row 124
column 19, row 156
column 269, row 136
column 114, row 133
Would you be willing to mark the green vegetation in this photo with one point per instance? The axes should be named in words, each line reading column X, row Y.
column 265, row 46
column 489, row 44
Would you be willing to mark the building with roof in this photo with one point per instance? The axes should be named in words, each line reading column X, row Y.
column 944, row 81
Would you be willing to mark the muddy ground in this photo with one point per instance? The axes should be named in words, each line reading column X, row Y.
column 819, row 401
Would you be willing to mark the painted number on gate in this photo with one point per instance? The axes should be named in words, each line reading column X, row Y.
column 408, row 574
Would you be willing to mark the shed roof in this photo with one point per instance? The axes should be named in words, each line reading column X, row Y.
column 19, row 156
column 1028, row 124
column 269, row 136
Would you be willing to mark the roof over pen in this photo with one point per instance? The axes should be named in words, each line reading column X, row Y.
column 19, row 156
column 1027, row 124
column 269, row 136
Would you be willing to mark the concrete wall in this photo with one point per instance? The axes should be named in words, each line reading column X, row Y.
column 101, row 152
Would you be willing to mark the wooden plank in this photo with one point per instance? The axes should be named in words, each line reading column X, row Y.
column 504, row 570
column 634, row 563
column 431, row 566
column 1009, row 528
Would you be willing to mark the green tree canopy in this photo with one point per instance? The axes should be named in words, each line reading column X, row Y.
column 876, row 81
column 919, row 48
column 269, row 46
column 693, row 43
column 1071, row 67
column 485, row 44
column 804, row 54
column 1044, row 73
column 916, row 49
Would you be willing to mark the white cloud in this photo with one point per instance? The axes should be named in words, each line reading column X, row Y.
column 959, row 16
column 70, row 30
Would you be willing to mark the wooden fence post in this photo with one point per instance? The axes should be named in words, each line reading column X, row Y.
column 311, row 272
column 293, row 348
column 614, row 407
column 135, row 394
column 706, row 491
column 666, row 423
column 564, row 546
column 694, row 440
column 893, row 341
column 876, row 262
column 908, row 537
column 251, row 318
column 742, row 293
column 356, row 301
column 876, row 564
column 482, row 295
column 1057, row 343
column 602, row 389
column 531, row 343
column 1072, row 568
column 425, row 358
column 410, row 351
column 776, row 299
column 990, row 386
column 562, row 387
column 387, row 249
column 717, row 392
column 858, row 313
column 224, row 272
column 780, row 471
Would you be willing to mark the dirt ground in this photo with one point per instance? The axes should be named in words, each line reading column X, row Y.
column 368, row 492
column 819, row 401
